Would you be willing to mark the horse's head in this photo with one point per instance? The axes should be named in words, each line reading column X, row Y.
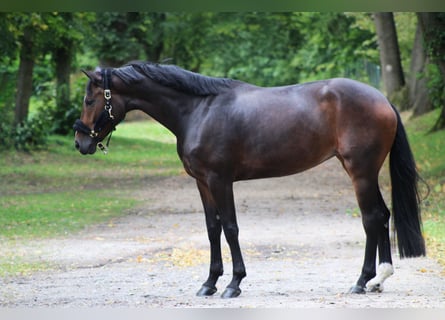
column 101, row 112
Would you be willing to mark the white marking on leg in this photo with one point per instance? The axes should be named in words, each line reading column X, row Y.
column 384, row 271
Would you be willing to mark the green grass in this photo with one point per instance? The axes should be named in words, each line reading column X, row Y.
column 48, row 214
column 15, row 264
column 55, row 191
column 429, row 151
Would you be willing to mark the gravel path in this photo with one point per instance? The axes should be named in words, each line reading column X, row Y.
column 302, row 242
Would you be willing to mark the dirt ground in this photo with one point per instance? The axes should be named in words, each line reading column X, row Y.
column 302, row 240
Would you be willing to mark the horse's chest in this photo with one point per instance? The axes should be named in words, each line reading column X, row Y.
column 191, row 156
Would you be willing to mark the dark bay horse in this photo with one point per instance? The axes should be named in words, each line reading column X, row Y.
column 228, row 130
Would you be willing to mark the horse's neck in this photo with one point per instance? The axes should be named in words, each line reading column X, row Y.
column 168, row 107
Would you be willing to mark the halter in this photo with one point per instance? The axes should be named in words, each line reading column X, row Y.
column 104, row 118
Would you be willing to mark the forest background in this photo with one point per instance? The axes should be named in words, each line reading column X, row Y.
column 41, row 86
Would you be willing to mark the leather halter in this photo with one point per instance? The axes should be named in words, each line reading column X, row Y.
column 104, row 118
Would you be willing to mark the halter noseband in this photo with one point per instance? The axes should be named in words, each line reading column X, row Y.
column 104, row 118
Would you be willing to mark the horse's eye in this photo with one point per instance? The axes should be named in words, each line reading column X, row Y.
column 89, row 102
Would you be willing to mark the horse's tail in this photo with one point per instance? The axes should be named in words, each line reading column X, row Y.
column 405, row 197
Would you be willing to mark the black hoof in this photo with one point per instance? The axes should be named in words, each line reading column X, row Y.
column 357, row 290
column 206, row 291
column 231, row 293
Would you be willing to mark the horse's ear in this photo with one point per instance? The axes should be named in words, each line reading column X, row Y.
column 88, row 74
column 93, row 76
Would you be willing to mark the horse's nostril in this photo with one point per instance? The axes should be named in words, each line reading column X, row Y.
column 77, row 145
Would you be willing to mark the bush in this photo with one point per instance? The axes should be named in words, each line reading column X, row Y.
column 30, row 135
column 64, row 118
column 436, row 89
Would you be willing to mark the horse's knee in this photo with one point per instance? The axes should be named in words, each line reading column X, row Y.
column 214, row 231
column 231, row 231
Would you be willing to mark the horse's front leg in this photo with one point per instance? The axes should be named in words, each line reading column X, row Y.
column 222, row 192
column 214, row 229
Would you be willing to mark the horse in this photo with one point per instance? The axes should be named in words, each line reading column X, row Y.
column 229, row 130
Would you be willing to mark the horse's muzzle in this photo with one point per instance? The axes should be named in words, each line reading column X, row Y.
column 85, row 146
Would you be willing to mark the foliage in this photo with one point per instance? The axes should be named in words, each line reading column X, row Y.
column 8, row 45
column 258, row 57
column 32, row 133
column 406, row 23
column 263, row 48
column 62, row 120
column 269, row 48
column 435, row 84
column 119, row 36
column 429, row 151
column 326, row 54
column 26, row 136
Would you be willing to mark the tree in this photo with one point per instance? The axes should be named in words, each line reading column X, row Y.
column 152, row 40
column 27, row 28
column 392, row 72
column 8, row 47
column 419, row 99
column 262, row 47
column 120, row 37
column 433, row 28
column 326, row 54
column 63, row 40
column 62, row 46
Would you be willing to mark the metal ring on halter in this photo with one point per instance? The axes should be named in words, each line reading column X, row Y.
column 107, row 94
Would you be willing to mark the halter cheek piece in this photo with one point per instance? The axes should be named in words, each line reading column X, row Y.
column 104, row 118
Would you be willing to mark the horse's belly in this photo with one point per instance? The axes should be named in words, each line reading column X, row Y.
column 278, row 166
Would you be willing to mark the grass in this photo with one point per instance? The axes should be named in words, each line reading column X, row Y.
column 49, row 214
column 57, row 191
column 429, row 151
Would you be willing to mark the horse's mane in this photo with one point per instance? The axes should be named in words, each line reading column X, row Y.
column 174, row 77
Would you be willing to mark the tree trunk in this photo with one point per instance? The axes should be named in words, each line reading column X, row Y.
column 392, row 72
column 24, row 78
column 153, row 52
column 433, row 27
column 63, row 58
column 419, row 99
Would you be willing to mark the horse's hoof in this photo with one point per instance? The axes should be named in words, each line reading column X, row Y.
column 231, row 293
column 378, row 288
column 206, row 291
column 357, row 290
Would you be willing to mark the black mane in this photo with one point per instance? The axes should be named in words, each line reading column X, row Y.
column 174, row 77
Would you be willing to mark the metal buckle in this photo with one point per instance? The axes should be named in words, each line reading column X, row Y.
column 93, row 134
column 108, row 108
column 107, row 94
column 102, row 147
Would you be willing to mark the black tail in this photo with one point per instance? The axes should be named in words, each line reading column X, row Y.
column 405, row 197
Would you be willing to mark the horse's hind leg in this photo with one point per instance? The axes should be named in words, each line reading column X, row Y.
column 375, row 217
